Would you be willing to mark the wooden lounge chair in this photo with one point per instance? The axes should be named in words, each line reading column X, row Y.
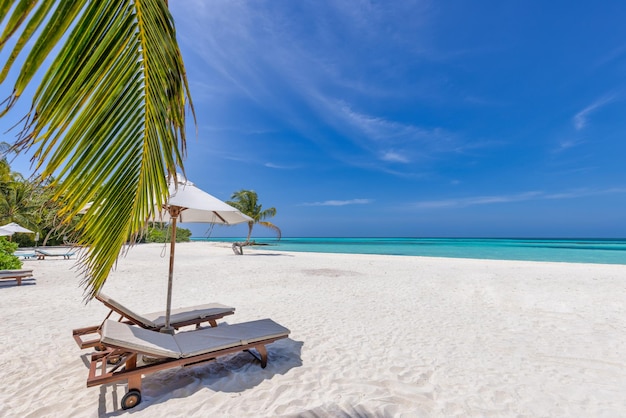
column 126, row 346
column 42, row 254
column 16, row 275
column 193, row 315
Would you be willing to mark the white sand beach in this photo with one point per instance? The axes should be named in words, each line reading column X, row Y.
column 371, row 336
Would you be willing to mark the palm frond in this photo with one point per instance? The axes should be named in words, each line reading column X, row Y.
column 108, row 118
column 273, row 228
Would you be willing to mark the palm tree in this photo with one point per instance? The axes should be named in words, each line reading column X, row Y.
column 19, row 202
column 108, row 116
column 5, row 168
column 247, row 202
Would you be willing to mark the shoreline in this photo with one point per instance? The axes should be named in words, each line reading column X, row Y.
column 374, row 335
column 596, row 251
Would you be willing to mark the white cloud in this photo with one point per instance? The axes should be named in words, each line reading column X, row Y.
column 340, row 202
column 520, row 197
column 476, row 200
column 581, row 119
column 394, row 157
column 279, row 167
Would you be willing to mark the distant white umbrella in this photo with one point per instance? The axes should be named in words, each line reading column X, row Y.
column 12, row 228
column 187, row 203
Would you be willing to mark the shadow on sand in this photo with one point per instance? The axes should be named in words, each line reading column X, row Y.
column 29, row 281
column 233, row 373
column 268, row 255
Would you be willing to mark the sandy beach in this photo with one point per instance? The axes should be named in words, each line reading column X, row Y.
column 371, row 336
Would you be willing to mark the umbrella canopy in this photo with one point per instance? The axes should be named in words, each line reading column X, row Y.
column 12, row 228
column 187, row 203
column 196, row 205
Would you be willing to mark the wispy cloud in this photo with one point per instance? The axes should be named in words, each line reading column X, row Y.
column 263, row 54
column 340, row 202
column 386, row 140
column 394, row 157
column 476, row 200
column 581, row 118
column 279, row 166
column 612, row 56
column 566, row 144
column 381, row 129
column 519, row 197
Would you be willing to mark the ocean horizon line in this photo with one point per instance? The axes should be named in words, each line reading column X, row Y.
column 570, row 250
column 417, row 237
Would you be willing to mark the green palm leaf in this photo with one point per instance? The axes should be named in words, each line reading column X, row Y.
column 107, row 119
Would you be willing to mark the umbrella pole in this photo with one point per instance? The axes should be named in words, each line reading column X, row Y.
column 168, row 329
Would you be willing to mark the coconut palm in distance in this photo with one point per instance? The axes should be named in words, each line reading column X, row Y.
column 107, row 118
column 247, row 202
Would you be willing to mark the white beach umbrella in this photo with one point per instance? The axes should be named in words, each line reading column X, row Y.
column 187, row 203
column 12, row 228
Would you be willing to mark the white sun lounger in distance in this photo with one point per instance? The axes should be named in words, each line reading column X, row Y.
column 192, row 315
column 125, row 343
column 66, row 253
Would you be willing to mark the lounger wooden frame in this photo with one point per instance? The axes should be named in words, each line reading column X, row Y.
column 80, row 334
column 117, row 364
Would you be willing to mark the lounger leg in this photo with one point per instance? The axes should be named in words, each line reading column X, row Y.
column 263, row 352
column 134, row 382
column 213, row 322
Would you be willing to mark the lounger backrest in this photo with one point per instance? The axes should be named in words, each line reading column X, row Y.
column 190, row 313
column 123, row 310
column 118, row 334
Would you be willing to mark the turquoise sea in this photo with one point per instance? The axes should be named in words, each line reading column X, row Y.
column 604, row 251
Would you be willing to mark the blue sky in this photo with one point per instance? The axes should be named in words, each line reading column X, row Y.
column 410, row 118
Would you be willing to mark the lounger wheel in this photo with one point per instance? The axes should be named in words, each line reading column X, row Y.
column 131, row 399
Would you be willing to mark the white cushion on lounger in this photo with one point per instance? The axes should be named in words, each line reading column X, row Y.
column 144, row 341
column 188, row 314
column 127, row 312
column 198, row 342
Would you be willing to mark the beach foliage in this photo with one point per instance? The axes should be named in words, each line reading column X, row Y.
column 162, row 234
column 8, row 261
column 30, row 204
column 21, row 201
column 107, row 116
column 247, row 202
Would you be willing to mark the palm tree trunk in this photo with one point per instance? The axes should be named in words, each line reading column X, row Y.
column 250, row 225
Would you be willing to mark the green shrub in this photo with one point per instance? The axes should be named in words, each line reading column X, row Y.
column 161, row 234
column 7, row 260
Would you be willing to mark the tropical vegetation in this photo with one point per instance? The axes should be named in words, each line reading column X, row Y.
column 8, row 261
column 162, row 234
column 30, row 205
column 107, row 118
